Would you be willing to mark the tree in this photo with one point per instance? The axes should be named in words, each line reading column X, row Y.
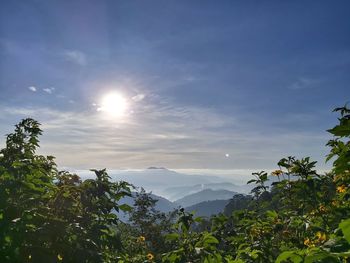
column 26, row 186
column 149, row 223
column 50, row 216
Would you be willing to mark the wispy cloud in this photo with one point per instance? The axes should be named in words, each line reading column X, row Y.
column 161, row 134
column 76, row 56
column 49, row 90
column 138, row 97
column 303, row 83
column 32, row 88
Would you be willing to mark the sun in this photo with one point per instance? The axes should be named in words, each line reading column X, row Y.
column 114, row 104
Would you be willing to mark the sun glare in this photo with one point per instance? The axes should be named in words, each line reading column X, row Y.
column 114, row 104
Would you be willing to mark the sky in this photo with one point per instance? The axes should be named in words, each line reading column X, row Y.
column 196, row 85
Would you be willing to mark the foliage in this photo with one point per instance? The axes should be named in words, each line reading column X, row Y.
column 48, row 215
column 149, row 228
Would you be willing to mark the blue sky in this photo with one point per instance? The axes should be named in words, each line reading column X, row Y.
column 208, row 84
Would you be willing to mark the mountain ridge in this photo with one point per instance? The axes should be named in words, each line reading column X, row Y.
column 204, row 195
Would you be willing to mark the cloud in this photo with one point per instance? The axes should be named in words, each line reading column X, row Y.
column 164, row 134
column 32, row 88
column 60, row 96
column 303, row 83
column 49, row 90
column 138, row 97
column 190, row 78
column 76, row 57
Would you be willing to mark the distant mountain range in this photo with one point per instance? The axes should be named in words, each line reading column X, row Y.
column 204, row 195
column 205, row 203
column 175, row 193
column 207, row 195
column 163, row 204
column 173, row 185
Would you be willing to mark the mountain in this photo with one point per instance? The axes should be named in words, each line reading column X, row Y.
column 158, row 180
column 174, row 193
column 208, row 208
column 162, row 204
column 204, row 195
column 171, row 184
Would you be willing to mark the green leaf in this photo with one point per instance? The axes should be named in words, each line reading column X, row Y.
column 292, row 255
column 17, row 164
column 315, row 256
column 208, row 239
column 125, row 208
column 251, row 181
column 341, row 130
column 345, row 228
column 172, row 236
column 198, row 219
column 7, row 239
column 272, row 214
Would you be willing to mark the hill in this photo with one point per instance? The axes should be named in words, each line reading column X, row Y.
column 208, row 208
column 158, row 180
column 175, row 193
column 163, row 204
column 204, row 195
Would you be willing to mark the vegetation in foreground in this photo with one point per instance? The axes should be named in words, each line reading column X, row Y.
column 48, row 215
